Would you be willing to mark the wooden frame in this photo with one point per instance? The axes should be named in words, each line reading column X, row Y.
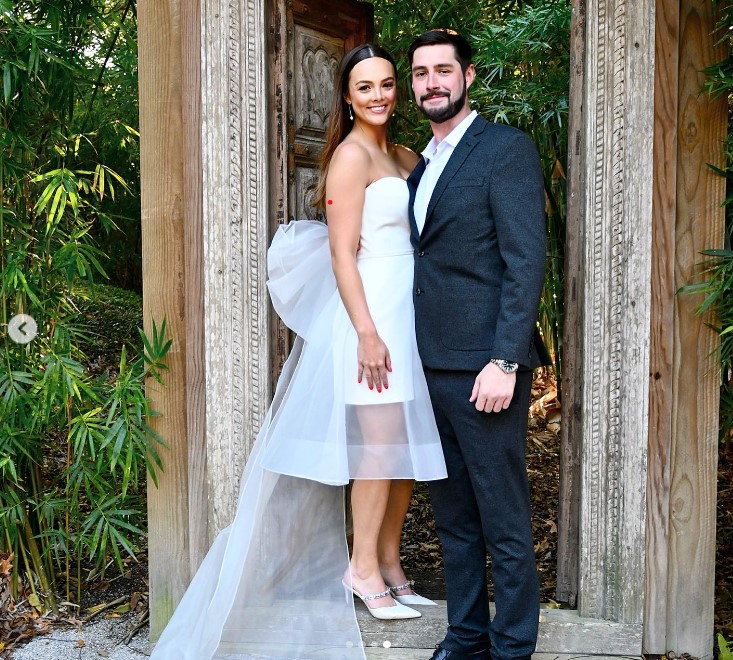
column 690, row 129
column 618, row 125
column 640, row 532
column 203, row 94
column 206, row 218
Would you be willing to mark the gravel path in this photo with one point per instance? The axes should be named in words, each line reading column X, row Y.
column 99, row 639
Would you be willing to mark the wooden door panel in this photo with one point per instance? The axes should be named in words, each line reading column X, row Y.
column 316, row 58
column 321, row 33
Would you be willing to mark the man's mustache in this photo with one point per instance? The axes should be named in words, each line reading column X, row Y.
column 432, row 95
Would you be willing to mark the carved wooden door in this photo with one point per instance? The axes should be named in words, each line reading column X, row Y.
column 308, row 40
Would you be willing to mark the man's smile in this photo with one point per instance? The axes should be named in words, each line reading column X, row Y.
column 433, row 96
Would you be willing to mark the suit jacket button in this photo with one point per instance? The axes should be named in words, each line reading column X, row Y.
column 418, row 292
column 421, row 253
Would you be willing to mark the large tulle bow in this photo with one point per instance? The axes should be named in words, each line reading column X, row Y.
column 300, row 277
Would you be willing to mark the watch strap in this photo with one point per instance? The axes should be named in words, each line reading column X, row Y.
column 505, row 365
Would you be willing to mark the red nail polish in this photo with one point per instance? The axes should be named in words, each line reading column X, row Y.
column 379, row 389
column 371, row 387
column 386, row 387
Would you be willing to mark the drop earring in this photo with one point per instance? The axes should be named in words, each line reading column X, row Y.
column 351, row 114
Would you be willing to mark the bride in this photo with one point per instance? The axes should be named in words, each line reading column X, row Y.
column 350, row 405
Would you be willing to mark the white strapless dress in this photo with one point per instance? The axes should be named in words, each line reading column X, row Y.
column 270, row 586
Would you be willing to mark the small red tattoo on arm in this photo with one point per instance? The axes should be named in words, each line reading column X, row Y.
column 330, row 201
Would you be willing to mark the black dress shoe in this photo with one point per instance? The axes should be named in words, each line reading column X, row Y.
column 445, row 654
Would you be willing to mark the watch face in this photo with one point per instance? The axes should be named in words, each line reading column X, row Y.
column 506, row 366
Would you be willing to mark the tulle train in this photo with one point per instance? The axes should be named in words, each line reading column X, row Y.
column 270, row 586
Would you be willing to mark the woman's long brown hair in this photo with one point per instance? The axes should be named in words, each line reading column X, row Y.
column 339, row 123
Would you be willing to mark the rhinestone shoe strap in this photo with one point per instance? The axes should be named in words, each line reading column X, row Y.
column 379, row 595
column 400, row 587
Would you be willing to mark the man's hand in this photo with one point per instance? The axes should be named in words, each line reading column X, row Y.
column 493, row 389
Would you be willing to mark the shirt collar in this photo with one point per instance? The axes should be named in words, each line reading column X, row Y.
column 450, row 140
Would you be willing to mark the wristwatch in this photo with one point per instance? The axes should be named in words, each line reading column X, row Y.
column 506, row 366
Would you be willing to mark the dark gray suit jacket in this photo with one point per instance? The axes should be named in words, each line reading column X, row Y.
column 480, row 259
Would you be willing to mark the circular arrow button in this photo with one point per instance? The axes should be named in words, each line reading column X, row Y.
column 22, row 329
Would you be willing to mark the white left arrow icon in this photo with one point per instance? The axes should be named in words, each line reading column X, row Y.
column 22, row 329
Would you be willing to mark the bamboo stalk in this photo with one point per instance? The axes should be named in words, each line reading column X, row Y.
column 14, row 579
column 36, row 481
column 22, row 552
column 40, row 570
column 66, row 494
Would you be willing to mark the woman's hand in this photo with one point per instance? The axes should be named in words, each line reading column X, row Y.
column 374, row 362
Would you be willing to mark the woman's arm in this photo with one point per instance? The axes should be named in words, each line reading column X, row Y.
column 346, row 182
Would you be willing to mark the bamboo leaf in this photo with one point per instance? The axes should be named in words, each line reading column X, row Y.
column 101, row 183
column 45, row 197
column 58, row 205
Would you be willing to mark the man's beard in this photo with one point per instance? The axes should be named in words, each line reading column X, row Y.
column 440, row 115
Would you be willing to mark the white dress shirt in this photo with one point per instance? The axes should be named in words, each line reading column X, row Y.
column 436, row 156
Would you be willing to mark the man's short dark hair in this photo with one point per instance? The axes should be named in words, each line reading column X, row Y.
column 437, row 36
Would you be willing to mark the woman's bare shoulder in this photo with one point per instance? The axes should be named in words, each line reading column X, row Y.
column 351, row 154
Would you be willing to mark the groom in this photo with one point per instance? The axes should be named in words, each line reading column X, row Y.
column 478, row 225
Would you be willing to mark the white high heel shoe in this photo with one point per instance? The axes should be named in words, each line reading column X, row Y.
column 388, row 612
column 409, row 599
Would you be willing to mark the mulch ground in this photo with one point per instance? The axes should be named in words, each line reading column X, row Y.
column 724, row 553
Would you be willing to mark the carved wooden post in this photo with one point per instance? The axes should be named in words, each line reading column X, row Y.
column 235, row 235
column 619, row 126
column 205, row 221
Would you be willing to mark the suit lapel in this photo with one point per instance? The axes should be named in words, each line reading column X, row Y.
column 412, row 181
column 460, row 153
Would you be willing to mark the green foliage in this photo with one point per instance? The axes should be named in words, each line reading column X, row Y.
column 725, row 649
column 522, row 57
column 69, row 92
column 717, row 287
column 524, row 63
column 74, row 443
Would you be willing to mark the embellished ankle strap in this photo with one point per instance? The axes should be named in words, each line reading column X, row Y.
column 381, row 594
column 400, row 587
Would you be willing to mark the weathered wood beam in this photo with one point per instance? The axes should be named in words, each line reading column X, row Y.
column 666, row 92
column 194, row 283
column 205, row 224
column 571, row 388
column 698, row 224
column 617, row 252
column 162, row 191
column 684, row 380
